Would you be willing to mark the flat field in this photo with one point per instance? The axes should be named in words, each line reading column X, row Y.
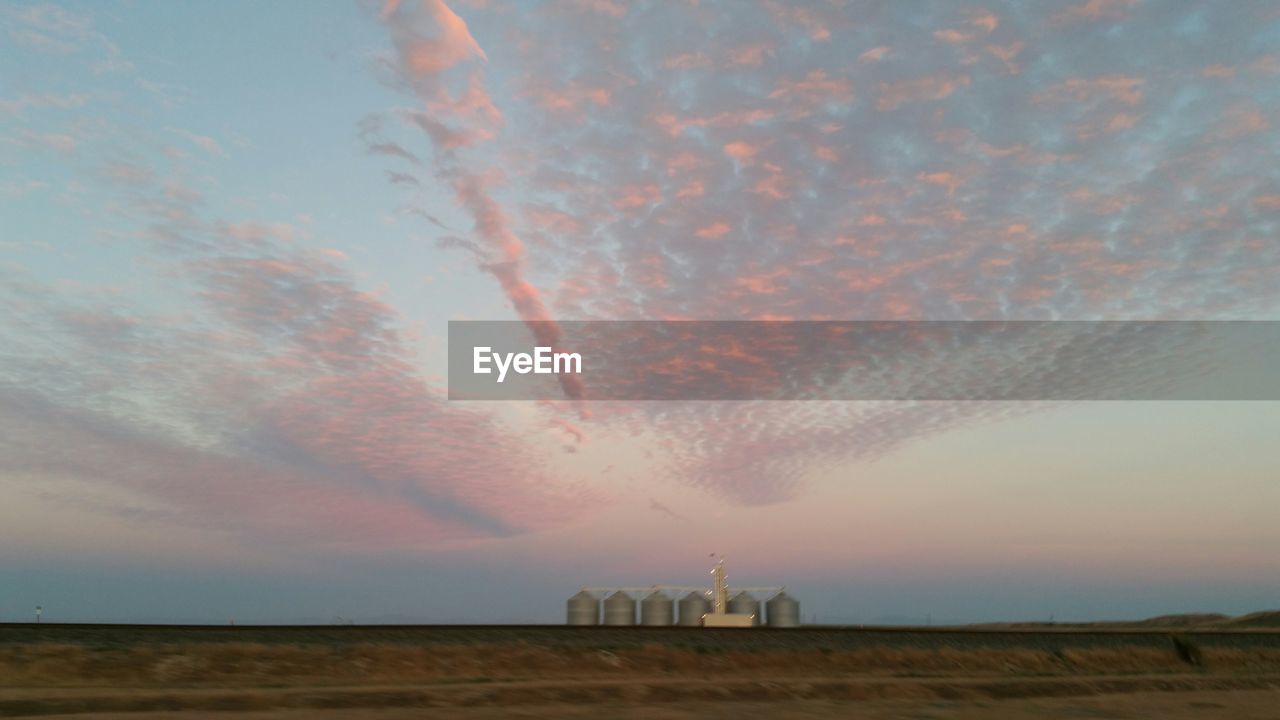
column 397, row 672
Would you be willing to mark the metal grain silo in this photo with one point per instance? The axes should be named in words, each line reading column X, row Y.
column 657, row 609
column 692, row 607
column 783, row 611
column 744, row 603
column 584, row 609
column 619, row 609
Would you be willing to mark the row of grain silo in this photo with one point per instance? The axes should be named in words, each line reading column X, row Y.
column 658, row 609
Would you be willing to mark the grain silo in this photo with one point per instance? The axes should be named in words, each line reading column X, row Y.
column 692, row 607
column 619, row 609
column 719, row 606
column 657, row 609
column 744, row 603
column 584, row 609
column 782, row 611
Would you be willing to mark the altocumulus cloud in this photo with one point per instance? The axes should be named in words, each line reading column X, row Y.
column 867, row 162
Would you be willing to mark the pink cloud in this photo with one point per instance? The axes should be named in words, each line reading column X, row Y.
column 1264, row 65
column 317, row 429
column 1124, row 89
column 1007, row 54
column 952, row 36
column 675, row 125
column 714, row 230
column 892, row 209
column 430, row 44
column 774, row 185
column 985, row 20
column 1121, row 121
column 811, row 21
column 692, row 189
column 571, row 99
column 552, row 219
column 1097, row 10
column 445, row 44
column 683, row 162
column 741, row 151
column 935, row 87
column 638, row 196
column 875, row 54
column 770, row 283
column 1242, row 119
column 687, row 61
column 612, row 8
column 946, row 179
column 472, row 106
column 749, row 55
column 813, row 91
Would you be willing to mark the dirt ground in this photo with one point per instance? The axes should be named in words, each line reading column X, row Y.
column 424, row 674
column 1211, row 705
column 939, row 698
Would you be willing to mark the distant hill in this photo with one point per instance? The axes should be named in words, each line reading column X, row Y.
column 1264, row 619
column 1184, row 621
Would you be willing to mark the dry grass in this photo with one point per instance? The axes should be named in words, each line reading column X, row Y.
column 199, row 679
column 271, row 665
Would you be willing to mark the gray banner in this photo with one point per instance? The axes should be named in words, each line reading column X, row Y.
column 999, row 360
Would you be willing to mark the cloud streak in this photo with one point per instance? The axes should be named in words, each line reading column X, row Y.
column 430, row 39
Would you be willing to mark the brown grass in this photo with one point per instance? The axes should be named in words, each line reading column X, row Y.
column 199, row 679
column 272, row 665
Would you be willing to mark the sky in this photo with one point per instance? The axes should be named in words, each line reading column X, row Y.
column 232, row 235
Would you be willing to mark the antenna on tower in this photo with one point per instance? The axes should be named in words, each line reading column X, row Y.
column 719, row 589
